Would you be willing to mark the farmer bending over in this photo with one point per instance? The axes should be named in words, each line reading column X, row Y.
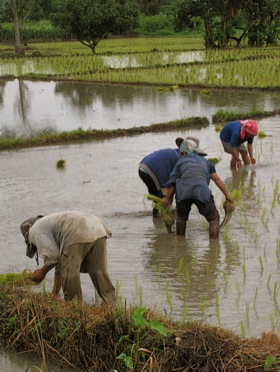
column 190, row 180
column 233, row 135
column 72, row 243
column 155, row 168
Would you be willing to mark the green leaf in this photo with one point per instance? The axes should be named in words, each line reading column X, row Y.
column 159, row 327
column 137, row 317
column 268, row 362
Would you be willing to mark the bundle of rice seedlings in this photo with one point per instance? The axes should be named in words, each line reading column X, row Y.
column 164, row 212
column 16, row 278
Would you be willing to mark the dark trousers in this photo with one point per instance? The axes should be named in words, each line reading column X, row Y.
column 150, row 184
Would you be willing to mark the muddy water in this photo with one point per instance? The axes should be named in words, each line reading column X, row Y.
column 28, row 108
column 233, row 282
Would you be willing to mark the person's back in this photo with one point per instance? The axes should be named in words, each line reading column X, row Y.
column 161, row 163
column 192, row 175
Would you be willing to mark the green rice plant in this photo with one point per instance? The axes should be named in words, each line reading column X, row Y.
column 225, row 275
column 262, row 134
column 242, row 326
column 275, row 295
column 256, row 296
column 168, row 297
column 218, row 127
column 16, row 278
column 181, row 265
column 272, row 321
column 218, row 315
column 261, row 263
column 164, row 212
column 278, row 251
column 139, row 292
column 244, row 271
column 214, row 161
column 247, row 314
column 237, row 286
column 60, row 164
column 264, row 219
column 206, row 92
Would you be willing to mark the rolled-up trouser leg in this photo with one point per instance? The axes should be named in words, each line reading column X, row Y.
column 96, row 264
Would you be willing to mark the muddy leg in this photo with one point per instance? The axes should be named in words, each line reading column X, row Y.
column 214, row 229
column 181, row 227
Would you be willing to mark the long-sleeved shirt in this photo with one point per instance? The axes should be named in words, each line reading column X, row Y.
column 191, row 178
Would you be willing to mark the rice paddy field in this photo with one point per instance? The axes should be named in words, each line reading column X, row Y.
column 232, row 283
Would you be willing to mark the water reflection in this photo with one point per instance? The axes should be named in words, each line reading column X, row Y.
column 190, row 270
column 28, row 108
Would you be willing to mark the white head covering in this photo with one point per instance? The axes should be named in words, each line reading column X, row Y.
column 188, row 146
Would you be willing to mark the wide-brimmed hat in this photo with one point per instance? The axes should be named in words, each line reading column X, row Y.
column 24, row 228
column 200, row 152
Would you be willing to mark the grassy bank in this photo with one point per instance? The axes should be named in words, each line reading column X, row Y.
column 99, row 135
column 80, row 135
column 105, row 338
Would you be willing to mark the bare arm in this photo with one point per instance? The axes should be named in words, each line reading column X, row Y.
column 235, row 155
column 221, row 186
column 39, row 275
column 169, row 193
column 250, row 151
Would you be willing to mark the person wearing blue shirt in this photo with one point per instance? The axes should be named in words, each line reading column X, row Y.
column 233, row 135
column 190, row 180
column 155, row 168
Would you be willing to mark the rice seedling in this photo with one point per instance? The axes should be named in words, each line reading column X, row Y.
column 168, row 298
column 218, row 315
column 275, row 295
column 16, row 278
column 242, row 327
column 278, row 252
column 264, row 219
column 181, row 265
column 261, row 263
column 214, row 161
column 247, row 314
column 60, row 164
column 262, row 134
column 255, row 296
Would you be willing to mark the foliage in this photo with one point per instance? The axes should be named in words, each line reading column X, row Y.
column 90, row 21
column 151, row 24
column 139, row 326
column 226, row 21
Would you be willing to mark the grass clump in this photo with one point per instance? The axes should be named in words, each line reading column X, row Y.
column 95, row 134
column 60, row 164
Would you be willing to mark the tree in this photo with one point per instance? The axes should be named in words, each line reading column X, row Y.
column 226, row 20
column 90, row 21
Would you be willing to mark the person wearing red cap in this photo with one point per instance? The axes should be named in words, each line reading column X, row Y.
column 233, row 135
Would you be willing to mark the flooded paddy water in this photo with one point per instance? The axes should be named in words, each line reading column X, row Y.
column 232, row 282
